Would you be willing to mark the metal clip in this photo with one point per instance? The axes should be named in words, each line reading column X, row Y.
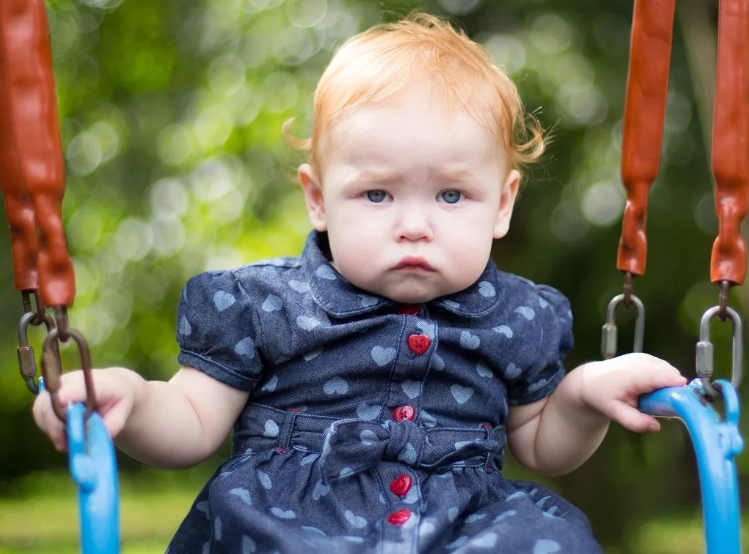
column 609, row 331
column 26, row 357
column 705, row 350
column 38, row 309
column 52, row 370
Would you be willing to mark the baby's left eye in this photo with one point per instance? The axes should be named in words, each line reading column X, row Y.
column 451, row 196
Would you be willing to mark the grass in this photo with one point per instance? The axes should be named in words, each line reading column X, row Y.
column 41, row 515
column 50, row 524
column 152, row 509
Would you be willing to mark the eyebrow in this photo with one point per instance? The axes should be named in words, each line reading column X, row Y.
column 459, row 175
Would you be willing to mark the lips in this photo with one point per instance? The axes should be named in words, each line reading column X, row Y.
column 414, row 262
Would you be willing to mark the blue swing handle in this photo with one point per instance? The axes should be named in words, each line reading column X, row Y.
column 716, row 443
column 93, row 467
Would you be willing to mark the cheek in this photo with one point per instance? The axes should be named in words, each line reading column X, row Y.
column 352, row 242
column 469, row 251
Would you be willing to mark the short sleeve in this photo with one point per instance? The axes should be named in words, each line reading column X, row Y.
column 218, row 331
column 555, row 340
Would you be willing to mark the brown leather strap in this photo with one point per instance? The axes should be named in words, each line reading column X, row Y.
column 731, row 141
column 32, row 157
column 644, row 115
column 18, row 207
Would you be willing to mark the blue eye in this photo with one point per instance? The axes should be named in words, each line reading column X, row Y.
column 451, row 196
column 376, row 196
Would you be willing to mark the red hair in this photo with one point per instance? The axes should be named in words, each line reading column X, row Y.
column 374, row 66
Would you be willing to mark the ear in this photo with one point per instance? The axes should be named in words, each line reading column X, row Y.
column 313, row 197
column 506, row 203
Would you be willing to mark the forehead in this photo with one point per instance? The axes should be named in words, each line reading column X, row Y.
column 415, row 126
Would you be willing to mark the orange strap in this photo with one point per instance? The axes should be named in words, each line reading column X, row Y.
column 644, row 116
column 730, row 148
column 32, row 174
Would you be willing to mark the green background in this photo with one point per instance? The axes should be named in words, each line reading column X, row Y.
column 171, row 114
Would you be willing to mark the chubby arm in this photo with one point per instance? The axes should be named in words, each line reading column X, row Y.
column 555, row 435
column 171, row 424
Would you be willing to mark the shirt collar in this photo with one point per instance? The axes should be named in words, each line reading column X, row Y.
column 339, row 298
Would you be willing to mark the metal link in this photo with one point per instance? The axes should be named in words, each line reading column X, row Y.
column 609, row 330
column 725, row 289
column 704, row 358
column 26, row 357
column 61, row 319
column 628, row 288
column 52, row 370
column 38, row 308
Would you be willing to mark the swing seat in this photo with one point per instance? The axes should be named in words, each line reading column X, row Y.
column 716, row 443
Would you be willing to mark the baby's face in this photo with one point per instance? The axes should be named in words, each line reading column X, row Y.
column 412, row 196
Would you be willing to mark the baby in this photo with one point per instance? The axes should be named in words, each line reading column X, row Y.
column 372, row 384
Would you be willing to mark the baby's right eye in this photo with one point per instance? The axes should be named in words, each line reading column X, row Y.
column 376, row 196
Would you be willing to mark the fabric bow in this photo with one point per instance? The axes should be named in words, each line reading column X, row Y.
column 353, row 445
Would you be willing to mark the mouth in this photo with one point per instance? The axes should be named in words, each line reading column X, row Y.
column 414, row 263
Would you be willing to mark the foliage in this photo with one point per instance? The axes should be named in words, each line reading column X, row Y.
column 171, row 116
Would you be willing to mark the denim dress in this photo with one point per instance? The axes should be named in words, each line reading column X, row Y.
column 372, row 426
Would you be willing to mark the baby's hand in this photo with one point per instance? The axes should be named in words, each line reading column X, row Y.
column 613, row 387
column 115, row 393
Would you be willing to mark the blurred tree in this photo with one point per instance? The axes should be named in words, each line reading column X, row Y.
column 171, row 116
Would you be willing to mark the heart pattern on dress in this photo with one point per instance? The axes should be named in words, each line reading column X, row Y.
column 411, row 388
column 245, row 347
column 503, row 330
column 546, row 546
column 299, row 286
column 526, row 312
column 487, row 540
column 243, row 494
column 486, row 289
column 223, row 300
column 368, row 413
column 383, row 356
column 270, row 386
column 335, row 386
column 460, row 393
column 484, row 370
column 271, row 429
column 357, row 521
column 469, row 341
column 248, row 545
column 184, row 327
column 307, row 323
column 326, row 272
column 272, row 303
column 283, row 514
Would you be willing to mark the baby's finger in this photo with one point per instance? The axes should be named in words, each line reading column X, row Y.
column 662, row 379
column 49, row 423
column 632, row 418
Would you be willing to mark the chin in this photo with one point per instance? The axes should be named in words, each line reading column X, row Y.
column 412, row 297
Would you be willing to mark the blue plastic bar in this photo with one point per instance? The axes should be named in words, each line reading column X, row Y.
column 716, row 443
column 93, row 467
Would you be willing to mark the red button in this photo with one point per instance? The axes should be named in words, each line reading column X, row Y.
column 418, row 343
column 404, row 412
column 401, row 485
column 409, row 309
column 400, row 517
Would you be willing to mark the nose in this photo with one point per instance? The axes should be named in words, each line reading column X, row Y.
column 414, row 224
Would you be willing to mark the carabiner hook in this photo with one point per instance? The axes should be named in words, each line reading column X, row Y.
column 26, row 357
column 609, row 331
column 705, row 350
column 52, row 370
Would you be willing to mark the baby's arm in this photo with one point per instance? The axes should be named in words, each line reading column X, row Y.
column 555, row 435
column 171, row 424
